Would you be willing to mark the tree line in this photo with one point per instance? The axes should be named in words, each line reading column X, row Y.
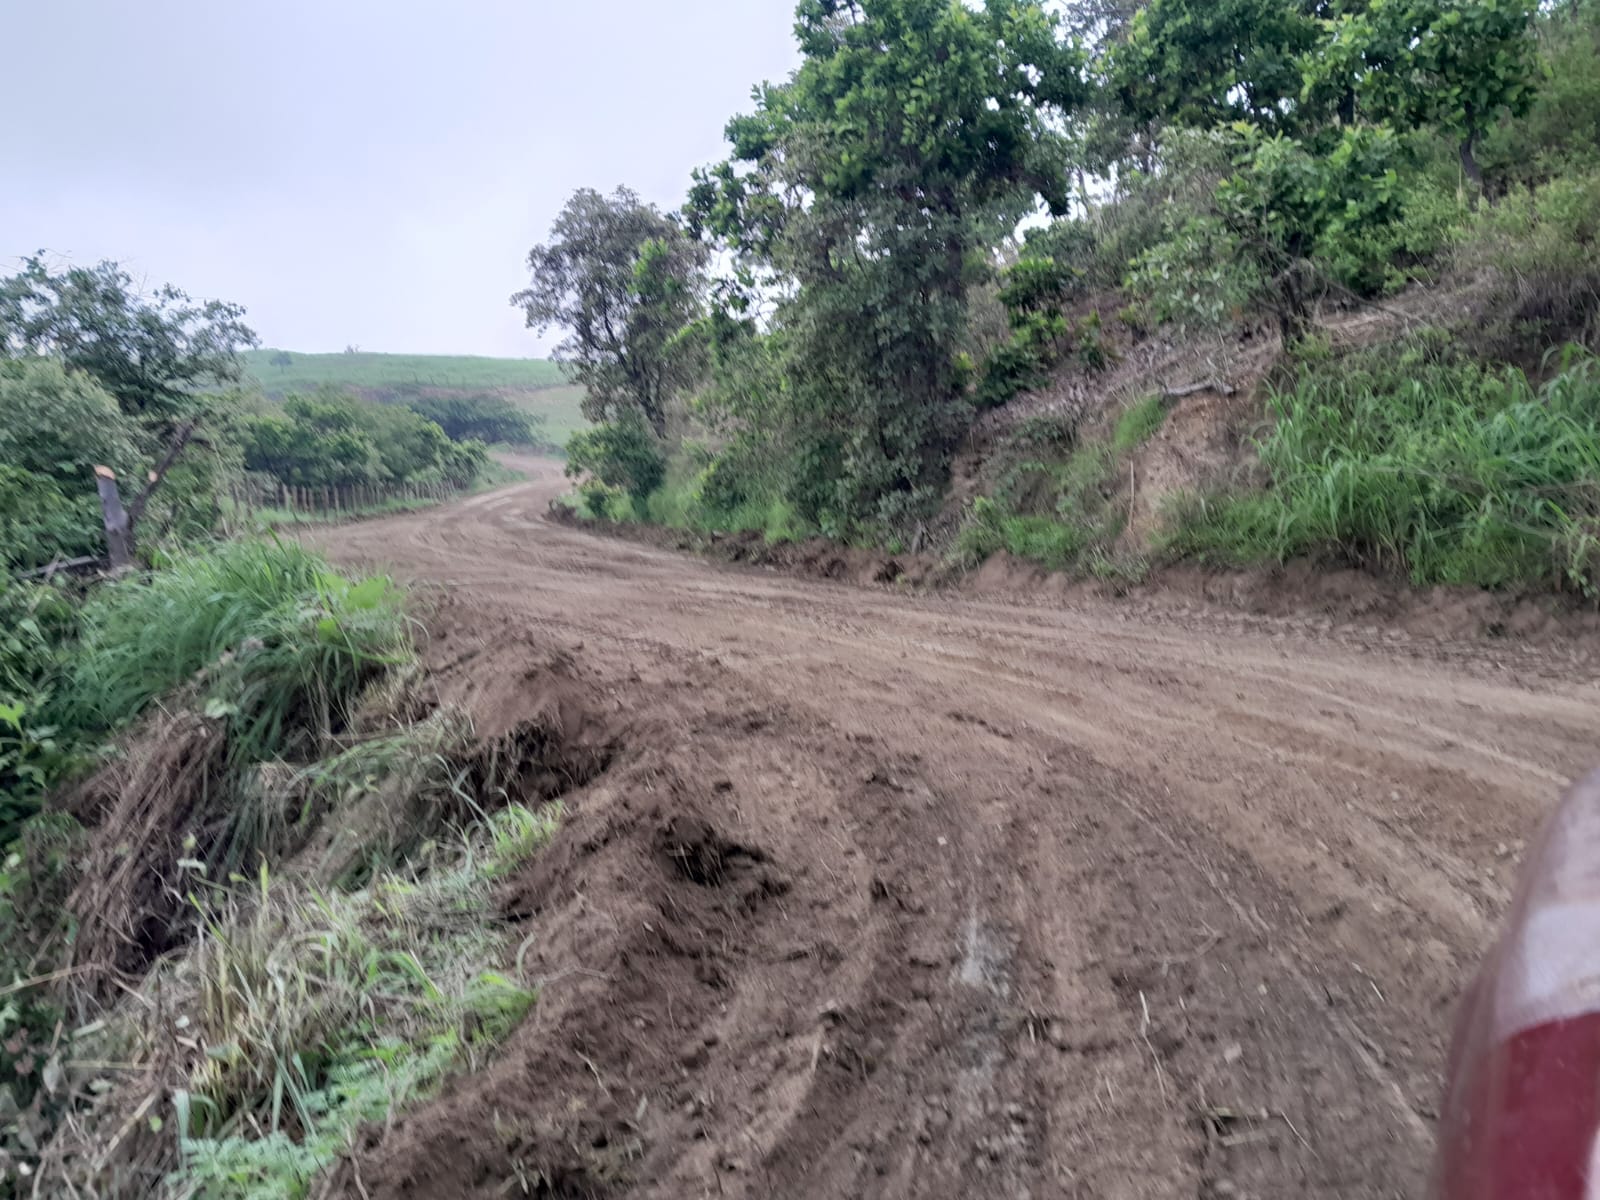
column 801, row 332
column 103, row 381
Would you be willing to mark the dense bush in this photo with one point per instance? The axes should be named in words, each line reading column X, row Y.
column 61, row 425
column 285, row 641
column 40, row 522
column 37, row 626
column 1418, row 462
column 621, row 454
column 333, row 440
column 483, row 418
column 1032, row 293
column 1543, row 243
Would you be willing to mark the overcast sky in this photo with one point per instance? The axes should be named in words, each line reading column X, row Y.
column 367, row 172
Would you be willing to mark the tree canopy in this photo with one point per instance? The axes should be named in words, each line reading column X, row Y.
column 151, row 350
column 622, row 280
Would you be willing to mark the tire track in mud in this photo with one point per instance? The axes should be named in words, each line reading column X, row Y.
column 1099, row 901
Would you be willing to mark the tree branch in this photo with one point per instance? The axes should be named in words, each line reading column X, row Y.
column 136, row 509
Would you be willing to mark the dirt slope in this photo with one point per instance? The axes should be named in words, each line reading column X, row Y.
column 901, row 896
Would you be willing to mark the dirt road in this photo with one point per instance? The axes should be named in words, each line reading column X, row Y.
column 923, row 895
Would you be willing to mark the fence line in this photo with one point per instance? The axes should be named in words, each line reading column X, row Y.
column 255, row 494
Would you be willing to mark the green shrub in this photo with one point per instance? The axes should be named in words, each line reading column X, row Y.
column 37, row 625
column 334, row 440
column 485, row 418
column 1416, row 462
column 40, row 522
column 322, row 1012
column 1544, row 244
column 61, row 425
column 620, row 454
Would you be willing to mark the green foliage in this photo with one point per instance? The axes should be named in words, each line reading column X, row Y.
column 1100, row 243
column 334, row 440
column 479, row 418
column 620, row 454
column 1050, row 503
column 37, row 626
column 1033, row 292
column 1211, row 63
column 152, row 351
column 1417, row 462
column 1544, row 245
column 60, row 424
column 39, row 522
column 867, row 187
column 1560, row 132
column 1284, row 203
column 1455, row 66
column 285, row 644
column 323, row 1012
column 1196, row 278
column 624, row 282
column 1138, row 424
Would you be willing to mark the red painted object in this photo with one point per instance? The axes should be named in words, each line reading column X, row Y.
column 1521, row 1109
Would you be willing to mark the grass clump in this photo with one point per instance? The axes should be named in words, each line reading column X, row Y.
column 278, row 641
column 1138, row 424
column 1050, row 505
column 1414, row 461
column 320, row 1012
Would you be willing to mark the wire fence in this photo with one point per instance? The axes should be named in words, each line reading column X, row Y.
column 265, row 497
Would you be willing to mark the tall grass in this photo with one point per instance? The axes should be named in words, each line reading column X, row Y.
column 276, row 640
column 319, row 1012
column 1415, row 462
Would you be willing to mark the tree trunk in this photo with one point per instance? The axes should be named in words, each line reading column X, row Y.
column 1469, row 162
column 119, row 534
column 1294, row 315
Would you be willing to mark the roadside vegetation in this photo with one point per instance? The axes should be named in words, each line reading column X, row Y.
column 804, row 347
column 224, row 801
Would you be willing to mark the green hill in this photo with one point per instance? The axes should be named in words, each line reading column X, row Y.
column 534, row 384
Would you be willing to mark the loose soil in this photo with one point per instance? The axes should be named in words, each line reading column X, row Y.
column 950, row 895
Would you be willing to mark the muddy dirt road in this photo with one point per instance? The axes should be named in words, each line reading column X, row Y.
column 924, row 895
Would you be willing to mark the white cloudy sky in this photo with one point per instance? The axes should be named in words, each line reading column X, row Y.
column 367, row 172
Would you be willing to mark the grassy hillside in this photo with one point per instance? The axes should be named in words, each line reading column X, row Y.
column 377, row 372
column 533, row 384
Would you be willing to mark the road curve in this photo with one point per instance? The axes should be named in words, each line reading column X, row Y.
column 1113, row 900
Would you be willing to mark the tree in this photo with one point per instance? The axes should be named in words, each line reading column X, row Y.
column 482, row 418
column 866, row 191
column 1211, row 63
column 620, row 454
column 624, row 281
column 152, row 351
column 1284, row 201
column 283, row 360
column 1457, row 66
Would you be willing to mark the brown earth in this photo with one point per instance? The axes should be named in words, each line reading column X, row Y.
column 945, row 895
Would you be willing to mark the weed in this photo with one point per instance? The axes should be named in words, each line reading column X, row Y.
column 1138, row 424
column 321, row 1012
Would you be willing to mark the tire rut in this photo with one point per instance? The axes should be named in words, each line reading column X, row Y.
column 1077, row 900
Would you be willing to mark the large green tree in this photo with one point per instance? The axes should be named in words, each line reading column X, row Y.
column 1455, row 66
column 152, row 350
column 1209, row 63
column 623, row 281
column 865, row 192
